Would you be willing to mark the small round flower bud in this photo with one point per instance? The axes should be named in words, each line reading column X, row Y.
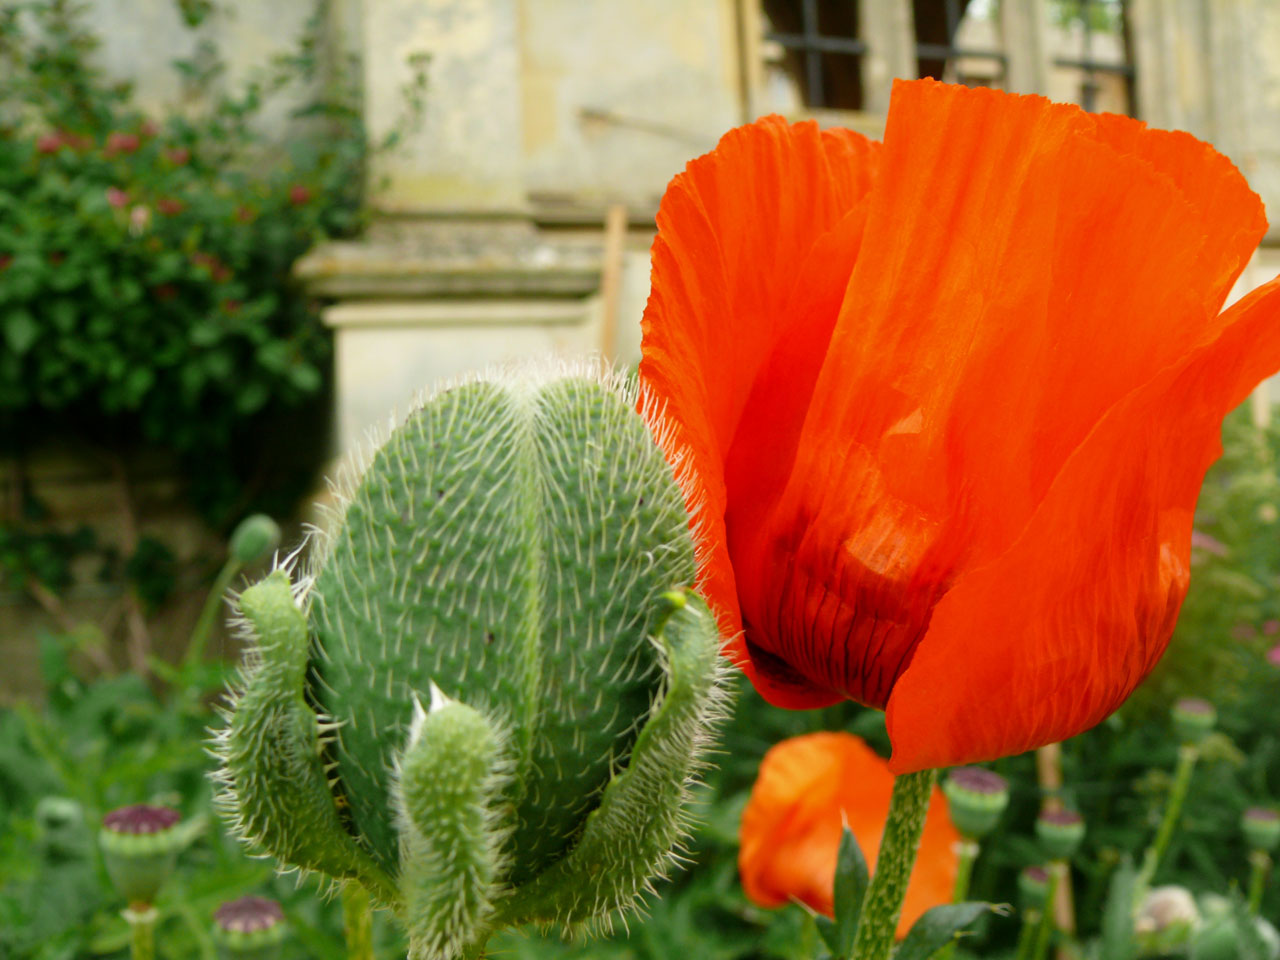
column 1193, row 719
column 1261, row 826
column 140, row 847
column 977, row 797
column 254, row 538
column 251, row 927
column 1060, row 833
column 1033, row 887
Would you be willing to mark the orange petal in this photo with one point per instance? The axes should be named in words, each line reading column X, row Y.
column 1050, row 637
column 792, row 824
column 742, row 263
column 1023, row 267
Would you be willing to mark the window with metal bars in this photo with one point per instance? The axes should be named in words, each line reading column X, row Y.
column 1102, row 72
column 939, row 52
column 820, row 48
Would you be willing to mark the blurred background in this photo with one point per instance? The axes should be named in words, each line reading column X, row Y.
column 236, row 236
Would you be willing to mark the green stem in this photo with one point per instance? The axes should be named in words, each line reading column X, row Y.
column 142, row 919
column 357, row 921
column 208, row 613
column 1045, row 929
column 966, row 853
column 882, row 903
column 1187, row 756
column 1027, row 935
column 1259, row 867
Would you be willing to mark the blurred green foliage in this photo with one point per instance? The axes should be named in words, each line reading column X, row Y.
column 145, row 288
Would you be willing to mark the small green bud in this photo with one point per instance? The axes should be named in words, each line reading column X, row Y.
column 254, row 538
column 1193, row 720
column 62, row 831
column 977, row 798
column 1261, row 826
column 1033, row 888
column 140, row 845
column 1060, row 833
column 251, row 928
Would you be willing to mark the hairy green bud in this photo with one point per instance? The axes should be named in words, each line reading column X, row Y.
column 486, row 701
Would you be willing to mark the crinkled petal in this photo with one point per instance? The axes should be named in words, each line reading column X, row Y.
column 1024, row 266
column 1050, row 637
column 742, row 264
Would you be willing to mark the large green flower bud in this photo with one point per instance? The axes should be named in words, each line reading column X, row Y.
column 486, row 701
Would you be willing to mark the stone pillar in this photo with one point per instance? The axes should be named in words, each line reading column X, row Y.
column 889, row 31
column 1022, row 28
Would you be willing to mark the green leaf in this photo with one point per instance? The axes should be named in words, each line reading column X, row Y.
column 1117, row 917
column 850, row 887
column 20, row 330
column 937, row 927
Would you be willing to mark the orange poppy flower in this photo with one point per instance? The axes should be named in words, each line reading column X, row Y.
column 949, row 401
column 807, row 788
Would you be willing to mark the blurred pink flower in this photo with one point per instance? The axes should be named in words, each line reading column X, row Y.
column 49, row 142
column 1270, row 628
column 179, row 156
column 139, row 218
column 1202, row 541
column 299, row 194
column 117, row 197
column 122, row 143
column 1273, row 655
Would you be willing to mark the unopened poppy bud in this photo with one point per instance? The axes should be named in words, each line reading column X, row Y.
column 1261, row 826
column 1033, row 887
column 1193, row 719
column 487, row 702
column 140, row 845
column 1060, row 833
column 254, row 537
column 251, row 928
column 977, row 798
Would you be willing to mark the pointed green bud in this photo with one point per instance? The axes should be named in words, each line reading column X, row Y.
column 518, row 555
column 1060, row 833
column 1261, row 826
column 254, row 538
column 251, row 928
column 1193, row 719
column 977, row 798
column 140, row 845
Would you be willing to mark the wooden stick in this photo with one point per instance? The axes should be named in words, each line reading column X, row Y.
column 615, row 238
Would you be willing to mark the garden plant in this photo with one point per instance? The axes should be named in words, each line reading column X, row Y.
column 910, row 485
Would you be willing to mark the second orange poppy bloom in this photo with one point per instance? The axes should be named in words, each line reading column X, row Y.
column 806, row 789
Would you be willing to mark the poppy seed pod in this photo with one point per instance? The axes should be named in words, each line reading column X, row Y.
column 1033, row 887
column 978, row 798
column 485, row 701
column 140, row 845
column 1261, row 827
column 250, row 928
column 1060, row 833
column 1193, row 719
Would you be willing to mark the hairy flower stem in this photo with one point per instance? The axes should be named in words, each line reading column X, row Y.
column 1187, row 755
column 882, row 903
column 1259, row 868
column 357, row 922
column 141, row 918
